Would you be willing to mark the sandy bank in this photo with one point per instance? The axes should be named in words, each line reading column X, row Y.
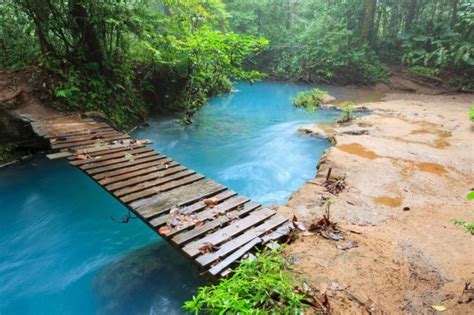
column 414, row 152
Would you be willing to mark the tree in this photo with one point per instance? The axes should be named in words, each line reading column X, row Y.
column 368, row 21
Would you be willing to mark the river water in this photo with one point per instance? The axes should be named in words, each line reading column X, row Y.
column 61, row 252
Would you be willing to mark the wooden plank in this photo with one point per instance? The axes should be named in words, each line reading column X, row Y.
column 132, row 168
column 141, row 179
column 126, row 141
column 89, row 136
column 278, row 233
column 106, row 157
column 192, row 249
column 128, row 157
column 227, row 205
column 131, row 174
column 187, row 236
column 163, row 202
column 154, row 183
column 58, row 155
column 117, row 136
column 157, row 222
column 77, row 133
column 156, row 190
column 241, row 240
column 117, row 166
column 110, row 148
column 64, row 132
column 232, row 258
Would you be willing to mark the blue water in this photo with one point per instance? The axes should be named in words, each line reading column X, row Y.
column 60, row 251
column 247, row 140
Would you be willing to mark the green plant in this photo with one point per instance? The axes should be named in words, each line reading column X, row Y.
column 346, row 115
column 471, row 113
column 7, row 152
column 423, row 70
column 468, row 226
column 259, row 286
column 309, row 100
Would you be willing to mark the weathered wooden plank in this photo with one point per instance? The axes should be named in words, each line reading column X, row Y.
column 164, row 201
column 230, row 246
column 187, row 236
column 117, row 166
column 132, row 174
column 64, row 132
column 154, row 183
column 197, row 206
column 141, row 179
column 104, row 139
column 129, row 156
column 105, row 157
column 111, row 148
column 132, row 168
column 192, row 249
column 76, row 133
column 278, row 233
column 102, row 142
column 232, row 258
column 221, row 208
column 155, row 190
column 89, row 136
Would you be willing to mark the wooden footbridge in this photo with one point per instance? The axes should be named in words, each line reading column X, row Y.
column 208, row 223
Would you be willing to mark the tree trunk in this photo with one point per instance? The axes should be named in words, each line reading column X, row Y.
column 85, row 29
column 368, row 21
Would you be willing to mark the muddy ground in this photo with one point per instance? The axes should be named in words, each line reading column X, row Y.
column 407, row 168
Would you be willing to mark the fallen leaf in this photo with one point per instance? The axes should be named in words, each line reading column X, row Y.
column 211, row 202
column 206, row 248
column 81, row 156
column 439, row 308
column 198, row 223
column 164, row 230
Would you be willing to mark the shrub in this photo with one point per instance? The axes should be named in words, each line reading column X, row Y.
column 259, row 286
column 309, row 100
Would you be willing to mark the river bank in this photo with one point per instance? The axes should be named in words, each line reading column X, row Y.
column 407, row 168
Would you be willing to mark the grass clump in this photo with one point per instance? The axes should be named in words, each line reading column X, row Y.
column 7, row 153
column 471, row 113
column 259, row 286
column 347, row 109
column 310, row 100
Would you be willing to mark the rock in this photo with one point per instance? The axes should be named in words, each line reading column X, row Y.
column 326, row 99
column 314, row 130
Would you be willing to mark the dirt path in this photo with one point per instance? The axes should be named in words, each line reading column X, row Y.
column 414, row 152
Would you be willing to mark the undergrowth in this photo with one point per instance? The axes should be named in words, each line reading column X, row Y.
column 7, row 153
column 259, row 286
column 309, row 100
column 347, row 108
column 468, row 226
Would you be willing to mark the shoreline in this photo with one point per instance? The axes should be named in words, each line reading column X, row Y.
column 402, row 189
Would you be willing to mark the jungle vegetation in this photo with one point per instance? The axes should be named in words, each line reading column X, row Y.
column 120, row 57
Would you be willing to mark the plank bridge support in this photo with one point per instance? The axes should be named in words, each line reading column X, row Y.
column 206, row 222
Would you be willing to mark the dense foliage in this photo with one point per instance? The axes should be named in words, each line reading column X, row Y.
column 260, row 286
column 345, row 40
column 116, row 56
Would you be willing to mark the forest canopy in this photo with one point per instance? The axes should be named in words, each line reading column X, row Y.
column 121, row 57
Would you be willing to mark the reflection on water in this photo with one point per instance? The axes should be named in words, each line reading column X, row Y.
column 168, row 279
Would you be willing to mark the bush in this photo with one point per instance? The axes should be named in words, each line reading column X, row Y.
column 260, row 286
column 309, row 100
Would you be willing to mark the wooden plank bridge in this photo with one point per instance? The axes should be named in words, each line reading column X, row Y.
column 208, row 223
